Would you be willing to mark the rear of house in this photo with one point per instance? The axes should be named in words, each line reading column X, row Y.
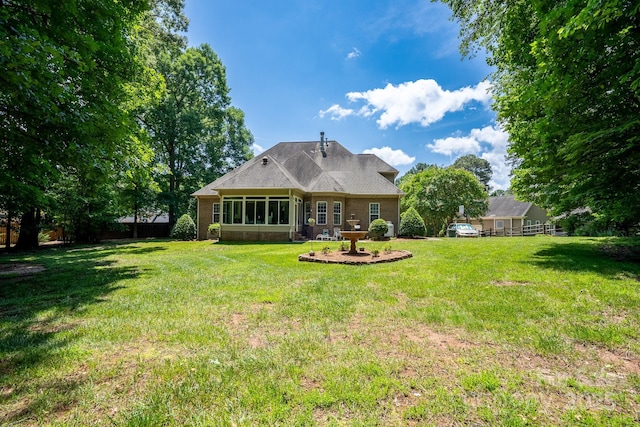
column 272, row 196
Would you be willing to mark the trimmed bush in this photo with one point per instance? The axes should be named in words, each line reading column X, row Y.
column 185, row 228
column 411, row 224
column 378, row 228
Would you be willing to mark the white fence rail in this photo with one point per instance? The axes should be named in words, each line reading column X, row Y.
column 527, row 230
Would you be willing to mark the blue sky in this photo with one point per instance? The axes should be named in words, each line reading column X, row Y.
column 381, row 77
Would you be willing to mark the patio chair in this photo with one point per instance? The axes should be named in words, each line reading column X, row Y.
column 337, row 235
column 324, row 235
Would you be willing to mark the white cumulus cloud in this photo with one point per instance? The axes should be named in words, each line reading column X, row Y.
column 257, row 149
column 353, row 54
column 336, row 112
column 455, row 145
column 391, row 156
column 489, row 143
column 423, row 102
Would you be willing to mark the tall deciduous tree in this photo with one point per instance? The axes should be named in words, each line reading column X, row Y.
column 480, row 168
column 64, row 68
column 419, row 167
column 437, row 193
column 567, row 89
column 194, row 131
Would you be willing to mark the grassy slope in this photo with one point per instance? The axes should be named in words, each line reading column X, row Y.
column 502, row 331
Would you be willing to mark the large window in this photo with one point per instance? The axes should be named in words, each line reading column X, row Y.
column 337, row 213
column 255, row 207
column 278, row 210
column 321, row 211
column 255, row 210
column 232, row 210
column 499, row 224
column 374, row 211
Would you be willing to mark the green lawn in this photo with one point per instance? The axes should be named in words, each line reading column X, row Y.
column 492, row 331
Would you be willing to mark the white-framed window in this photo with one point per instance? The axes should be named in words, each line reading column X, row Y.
column 337, row 213
column 499, row 224
column 538, row 222
column 528, row 222
column 216, row 213
column 321, row 211
column 255, row 210
column 278, row 210
column 374, row 211
column 232, row 210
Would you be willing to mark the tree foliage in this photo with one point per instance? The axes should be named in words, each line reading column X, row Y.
column 378, row 228
column 419, row 167
column 78, row 81
column 61, row 91
column 411, row 224
column 437, row 193
column 194, row 131
column 480, row 168
column 567, row 89
column 184, row 229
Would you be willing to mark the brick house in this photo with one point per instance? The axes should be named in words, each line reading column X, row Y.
column 510, row 217
column 272, row 196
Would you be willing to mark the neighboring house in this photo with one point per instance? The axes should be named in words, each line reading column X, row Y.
column 148, row 225
column 272, row 196
column 508, row 216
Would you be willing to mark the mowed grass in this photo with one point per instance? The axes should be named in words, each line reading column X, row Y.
column 496, row 331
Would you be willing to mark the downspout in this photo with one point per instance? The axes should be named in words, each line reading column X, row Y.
column 198, row 218
column 398, row 225
column 221, row 215
column 291, row 213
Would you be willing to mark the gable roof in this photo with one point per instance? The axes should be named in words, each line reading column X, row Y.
column 507, row 206
column 303, row 166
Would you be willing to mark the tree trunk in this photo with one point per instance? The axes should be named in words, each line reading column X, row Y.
column 135, row 220
column 7, row 243
column 172, row 187
column 29, row 228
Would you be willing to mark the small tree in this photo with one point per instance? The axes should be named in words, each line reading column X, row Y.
column 185, row 228
column 411, row 224
column 378, row 228
column 436, row 193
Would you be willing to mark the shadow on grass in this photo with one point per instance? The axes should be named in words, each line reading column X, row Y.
column 589, row 256
column 39, row 315
column 239, row 243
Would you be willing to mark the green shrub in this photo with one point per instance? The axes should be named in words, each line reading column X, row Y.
column 43, row 237
column 411, row 224
column 378, row 228
column 185, row 228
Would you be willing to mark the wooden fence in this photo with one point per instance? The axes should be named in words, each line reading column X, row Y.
column 3, row 236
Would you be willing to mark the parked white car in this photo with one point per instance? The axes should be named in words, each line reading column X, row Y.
column 462, row 229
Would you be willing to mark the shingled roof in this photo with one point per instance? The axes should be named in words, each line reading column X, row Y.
column 303, row 166
column 507, row 206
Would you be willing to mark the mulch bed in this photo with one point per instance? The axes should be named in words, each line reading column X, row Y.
column 365, row 257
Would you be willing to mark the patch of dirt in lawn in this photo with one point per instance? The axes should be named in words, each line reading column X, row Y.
column 245, row 326
column 509, row 283
column 622, row 252
column 417, row 351
column 18, row 270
